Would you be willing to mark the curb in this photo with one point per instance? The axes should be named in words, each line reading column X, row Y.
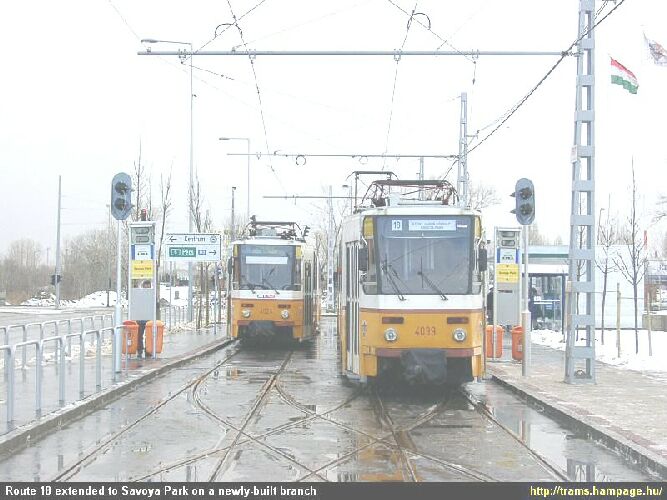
column 24, row 435
column 600, row 433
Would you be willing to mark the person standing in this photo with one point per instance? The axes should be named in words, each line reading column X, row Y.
column 532, row 308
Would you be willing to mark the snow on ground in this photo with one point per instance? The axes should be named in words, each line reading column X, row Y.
column 608, row 353
column 178, row 297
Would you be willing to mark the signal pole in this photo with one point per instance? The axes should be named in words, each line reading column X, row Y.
column 57, row 278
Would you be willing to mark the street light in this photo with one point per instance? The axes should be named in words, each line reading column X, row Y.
column 191, row 220
column 248, row 156
column 232, row 235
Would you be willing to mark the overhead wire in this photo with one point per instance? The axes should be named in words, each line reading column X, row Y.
column 259, row 94
column 305, row 23
column 564, row 54
column 507, row 114
column 428, row 28
column 216, row 34
column 393, row 90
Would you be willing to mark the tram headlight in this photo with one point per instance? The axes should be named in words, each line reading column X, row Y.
column 284, row 314
column 245, row 313
column 390, row 335
column 459, row 334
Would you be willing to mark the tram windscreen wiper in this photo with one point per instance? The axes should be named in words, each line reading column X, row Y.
column 385, row 266
column 432, row 285
column 265, row 280
column 250, row 285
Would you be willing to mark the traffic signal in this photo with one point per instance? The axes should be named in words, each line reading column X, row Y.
column 121, row 196
column 524, row 192
column 56, row 278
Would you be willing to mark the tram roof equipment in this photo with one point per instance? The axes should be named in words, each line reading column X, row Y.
column 286, row 230
column 429, row 192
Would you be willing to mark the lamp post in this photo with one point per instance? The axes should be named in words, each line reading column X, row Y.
column 190, row 188
column 248, row 156
column 232, row 235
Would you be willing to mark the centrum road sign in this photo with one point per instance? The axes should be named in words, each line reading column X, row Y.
column 193, row 247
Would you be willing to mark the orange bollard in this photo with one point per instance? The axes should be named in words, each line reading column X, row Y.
column 158, row 337
column 130, row 337
column 517, row 343
column 499, row 341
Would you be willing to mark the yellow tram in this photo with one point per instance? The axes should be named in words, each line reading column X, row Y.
column 410, row 271
column 273, row 285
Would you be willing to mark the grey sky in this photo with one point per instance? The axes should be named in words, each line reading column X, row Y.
column 77, row 100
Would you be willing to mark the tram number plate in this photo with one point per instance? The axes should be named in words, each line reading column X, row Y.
column 425, row 331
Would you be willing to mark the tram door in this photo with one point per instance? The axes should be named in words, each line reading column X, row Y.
column 308, row 301
column 352, row 307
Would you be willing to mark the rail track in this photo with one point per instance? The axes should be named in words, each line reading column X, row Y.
column 393, row 433
column 98, row 449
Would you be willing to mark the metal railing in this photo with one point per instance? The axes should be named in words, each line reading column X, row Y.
column 61, row 332
column 10, row 356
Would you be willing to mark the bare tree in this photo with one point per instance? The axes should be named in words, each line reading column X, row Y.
column 661, row 208
column 606, row 237
column 632, row 264
column 138, row 181
column 202, row 223
column 165, row 209
column 22, row 273
column 482, row 196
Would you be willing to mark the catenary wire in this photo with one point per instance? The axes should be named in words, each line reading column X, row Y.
column 259, row 94
column 564, row 54
column 393, row 90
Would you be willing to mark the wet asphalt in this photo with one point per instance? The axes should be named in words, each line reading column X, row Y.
column 284, row 414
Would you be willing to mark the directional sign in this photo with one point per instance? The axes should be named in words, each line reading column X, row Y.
column 193, row 247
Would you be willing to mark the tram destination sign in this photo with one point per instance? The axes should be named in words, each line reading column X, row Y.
column 193, row 247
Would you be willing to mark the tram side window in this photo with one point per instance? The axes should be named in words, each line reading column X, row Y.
column 296, row 282
column 369, row 277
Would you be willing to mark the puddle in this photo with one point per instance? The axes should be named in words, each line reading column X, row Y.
column 574, row 453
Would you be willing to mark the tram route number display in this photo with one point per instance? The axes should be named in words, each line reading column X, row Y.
column 425, row 225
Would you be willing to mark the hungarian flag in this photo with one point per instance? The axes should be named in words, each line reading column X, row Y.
column 657, row 51
column 620, row 75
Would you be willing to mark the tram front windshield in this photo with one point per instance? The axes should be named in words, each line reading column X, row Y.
column 424, row 255
column 267, row 267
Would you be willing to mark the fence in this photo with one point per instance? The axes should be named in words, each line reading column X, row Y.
column 19, row 339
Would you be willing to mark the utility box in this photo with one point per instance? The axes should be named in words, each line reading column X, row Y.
column 142, row 282
column 507, row 276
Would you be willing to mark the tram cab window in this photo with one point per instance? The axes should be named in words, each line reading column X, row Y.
column 424, row 255
column 268, row 267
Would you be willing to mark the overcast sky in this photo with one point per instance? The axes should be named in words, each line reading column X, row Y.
column 77, row 101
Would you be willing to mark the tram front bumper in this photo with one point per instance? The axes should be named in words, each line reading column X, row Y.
column 430, row 366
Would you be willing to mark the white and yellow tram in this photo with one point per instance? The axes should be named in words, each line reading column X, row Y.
column 273, row 284
column 410, row 277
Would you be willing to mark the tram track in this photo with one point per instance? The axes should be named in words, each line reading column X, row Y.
column 248, row 438
column 552, row 469
column 261, row 396
column 402, row 439
column 392, row 435
column 100, row 448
